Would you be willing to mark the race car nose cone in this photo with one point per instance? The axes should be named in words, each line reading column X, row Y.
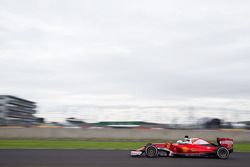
column 135, row 153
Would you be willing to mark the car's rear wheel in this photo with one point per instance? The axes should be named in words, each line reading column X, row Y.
column 222, row 153
column 151, row 151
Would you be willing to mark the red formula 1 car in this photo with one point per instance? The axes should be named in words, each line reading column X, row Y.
column 195, row 147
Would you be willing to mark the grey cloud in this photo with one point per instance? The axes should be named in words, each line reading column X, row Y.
column 147, row 49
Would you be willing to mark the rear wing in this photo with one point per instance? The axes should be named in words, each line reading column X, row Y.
column 225, row 142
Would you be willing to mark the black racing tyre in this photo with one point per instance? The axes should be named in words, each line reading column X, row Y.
column 151, row 151
column 222, row 153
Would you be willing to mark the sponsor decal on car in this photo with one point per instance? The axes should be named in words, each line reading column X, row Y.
column 185, row 149
column 193, row 149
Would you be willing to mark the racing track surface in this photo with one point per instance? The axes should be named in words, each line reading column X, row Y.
column 94, row 158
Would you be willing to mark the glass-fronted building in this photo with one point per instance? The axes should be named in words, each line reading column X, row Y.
column 16, row 111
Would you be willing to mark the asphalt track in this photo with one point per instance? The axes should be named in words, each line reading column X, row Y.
column 94, row 158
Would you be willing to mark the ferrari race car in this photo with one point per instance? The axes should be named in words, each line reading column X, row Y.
column 190, row 147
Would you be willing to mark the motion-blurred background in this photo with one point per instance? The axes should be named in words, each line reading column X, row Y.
column 108, row 67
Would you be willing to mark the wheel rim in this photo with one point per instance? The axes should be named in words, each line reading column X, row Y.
column 151, row 152
column 223, row 153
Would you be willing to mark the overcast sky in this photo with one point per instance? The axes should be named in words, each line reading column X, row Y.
column 95, row 52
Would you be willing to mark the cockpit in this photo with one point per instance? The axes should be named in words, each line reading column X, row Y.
column 197, row 141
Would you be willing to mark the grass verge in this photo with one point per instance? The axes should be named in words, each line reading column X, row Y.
column 68, row 144
column 83, row 144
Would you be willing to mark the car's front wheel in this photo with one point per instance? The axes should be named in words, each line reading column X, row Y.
column 222, row 153
column 151, row 151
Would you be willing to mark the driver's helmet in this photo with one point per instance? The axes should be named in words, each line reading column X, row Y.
column 186, row 138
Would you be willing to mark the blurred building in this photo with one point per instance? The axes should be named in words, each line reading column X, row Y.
column 16, row 111
column 209, row 123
